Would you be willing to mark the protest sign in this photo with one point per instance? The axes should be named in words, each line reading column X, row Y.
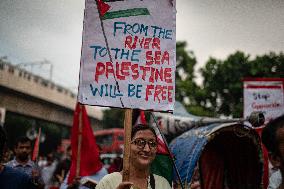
column 265, row 95
column 128, row 55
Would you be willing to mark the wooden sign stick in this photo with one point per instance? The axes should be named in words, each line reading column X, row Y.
column 79, row 144
column 127, row 143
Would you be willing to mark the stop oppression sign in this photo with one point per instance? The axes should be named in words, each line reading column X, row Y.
column 128, row 54
column 265, row 95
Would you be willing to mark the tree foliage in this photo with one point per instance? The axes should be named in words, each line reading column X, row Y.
column 113, row 118
column 187, row 91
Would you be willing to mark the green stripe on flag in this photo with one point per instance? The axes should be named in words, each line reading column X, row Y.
column 126, row 13
column 163, row 166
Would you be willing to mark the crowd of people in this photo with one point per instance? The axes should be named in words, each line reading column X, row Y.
column 17, row 170
column 20, row 172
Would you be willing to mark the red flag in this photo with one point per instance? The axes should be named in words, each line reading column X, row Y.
column 141, row 118
column 103, row 7
column 89, row 157
column 162, row 148
column 36, row 146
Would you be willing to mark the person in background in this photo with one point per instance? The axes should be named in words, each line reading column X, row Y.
column 116, row 165
column 41, row 161
column 7, row 156
column 79, row 182
column 9, row 177
column 22, row 162
column 275, row 180
column 273, row 139
column 143, row 151
column 63, row 166
column 48, row 170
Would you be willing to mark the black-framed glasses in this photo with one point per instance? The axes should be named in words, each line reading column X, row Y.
column 141, row 143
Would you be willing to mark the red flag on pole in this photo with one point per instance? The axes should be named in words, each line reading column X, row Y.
column 88, row 161
column 36, row 146
column 103, row 7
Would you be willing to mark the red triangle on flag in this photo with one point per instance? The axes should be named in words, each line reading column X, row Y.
column 103, row 7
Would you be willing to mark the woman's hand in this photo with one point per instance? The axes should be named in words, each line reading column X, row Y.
column 195, row 185
column 124, row 185
column 75, row 184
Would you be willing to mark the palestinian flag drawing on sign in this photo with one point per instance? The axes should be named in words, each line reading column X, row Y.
column 124, row 12
column 128, row 54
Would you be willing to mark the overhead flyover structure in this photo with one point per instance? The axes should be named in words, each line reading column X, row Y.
column 27, row 94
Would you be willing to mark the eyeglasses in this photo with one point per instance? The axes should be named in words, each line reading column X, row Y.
column 141, row 143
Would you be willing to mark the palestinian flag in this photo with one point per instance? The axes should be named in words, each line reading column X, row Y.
column 163, row 163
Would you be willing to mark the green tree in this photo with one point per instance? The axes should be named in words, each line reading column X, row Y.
column 268, row 65
column 187, row 91
column 113, row 118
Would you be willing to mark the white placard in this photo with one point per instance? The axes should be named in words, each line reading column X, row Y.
column 264, row 96
column 140, row 71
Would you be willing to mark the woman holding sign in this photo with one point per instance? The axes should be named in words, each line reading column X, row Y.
column 143, row 152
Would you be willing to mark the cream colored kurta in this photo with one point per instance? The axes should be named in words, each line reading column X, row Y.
column 111, row 181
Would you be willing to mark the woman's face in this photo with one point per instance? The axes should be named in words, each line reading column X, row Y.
column 143, row 148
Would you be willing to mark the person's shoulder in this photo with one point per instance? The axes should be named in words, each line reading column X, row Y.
column 110, row 181
column 10, row 163
column 14, row 172
column 15, row 178
column 161, row 182
column 10, row 170
column 114, row 175
column 159, row 177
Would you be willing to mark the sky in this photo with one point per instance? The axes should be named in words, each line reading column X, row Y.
column 32, row 31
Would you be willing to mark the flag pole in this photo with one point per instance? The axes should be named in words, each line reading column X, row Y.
column 167, row 146
column 127, row 143
column 79, row 143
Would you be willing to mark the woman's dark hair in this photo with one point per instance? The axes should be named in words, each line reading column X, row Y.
column 142, row 127
column 269, row 135
column 3, row 140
